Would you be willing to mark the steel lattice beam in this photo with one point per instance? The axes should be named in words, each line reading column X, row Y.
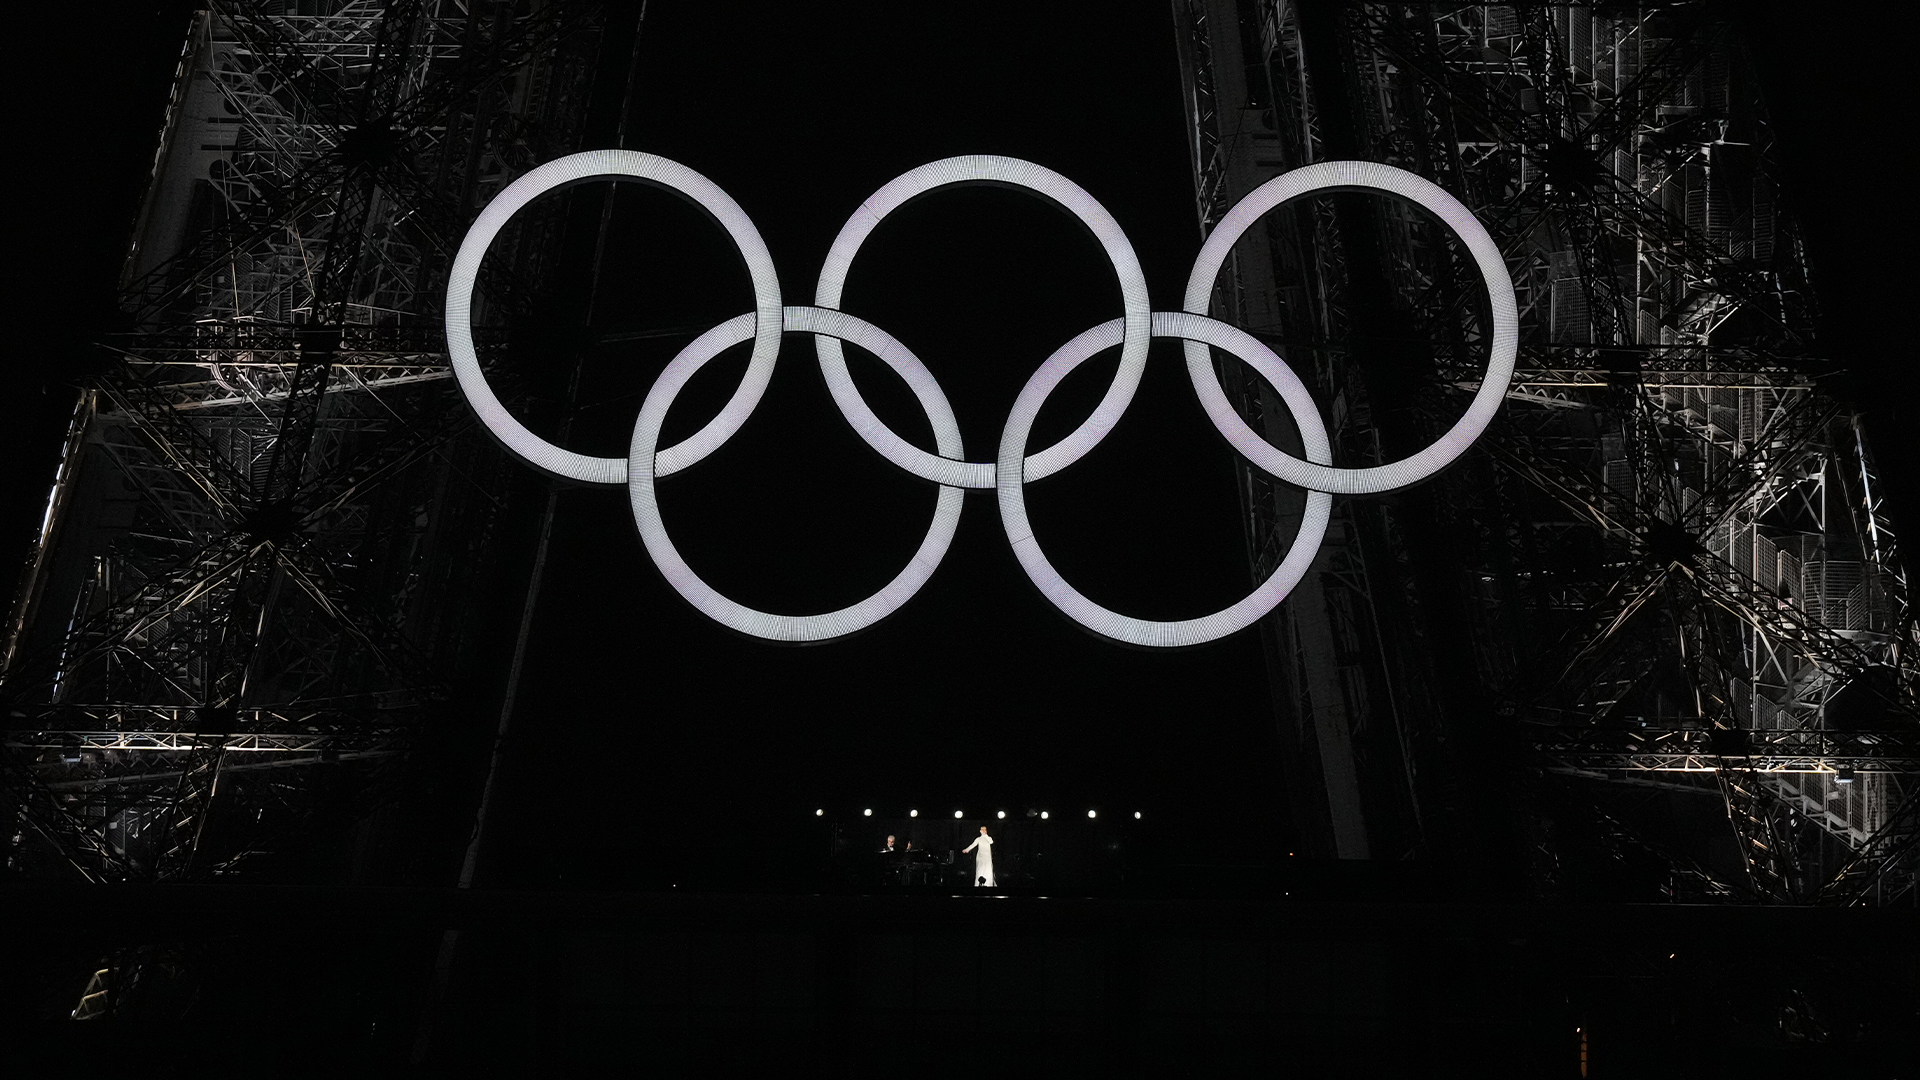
column 274, row 597
column 1679, row 567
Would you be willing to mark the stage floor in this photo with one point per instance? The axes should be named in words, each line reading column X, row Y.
column 595, row 980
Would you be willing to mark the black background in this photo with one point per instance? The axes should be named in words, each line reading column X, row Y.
column 977, row 697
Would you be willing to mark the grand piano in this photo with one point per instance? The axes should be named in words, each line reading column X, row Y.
column 919, row 866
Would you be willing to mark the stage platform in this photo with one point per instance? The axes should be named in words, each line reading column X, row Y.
column 344, row 978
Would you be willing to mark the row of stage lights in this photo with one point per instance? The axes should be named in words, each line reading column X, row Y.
column 999, row 814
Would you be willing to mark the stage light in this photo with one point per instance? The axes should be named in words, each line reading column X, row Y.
column 866, row 813
column 957, row 815
column 1043, row 815
column 1844, row 776
column 1136, row 815
column 1002, row 815
column 913, row 813
column 1092, row 814
column 819, row 813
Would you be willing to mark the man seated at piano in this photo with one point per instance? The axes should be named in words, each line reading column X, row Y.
column 893, row 860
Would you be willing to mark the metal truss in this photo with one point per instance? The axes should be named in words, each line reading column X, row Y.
column 90, row 735
column 1669, row 559
column 260, row 544
column 210, row 365
column 1601, row 751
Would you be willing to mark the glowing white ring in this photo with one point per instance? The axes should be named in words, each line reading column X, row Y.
column 1334, row 176
column 1013, row 508
column 610, row 165
column 1042, row 181
column 643, row 468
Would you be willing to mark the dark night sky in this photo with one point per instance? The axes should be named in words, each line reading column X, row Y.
column 978, row 694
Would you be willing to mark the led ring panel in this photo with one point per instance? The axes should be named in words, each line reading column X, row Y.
column 641, row 473
column 579, row 169
column 1014, row 468
column 1026, row 548
column 1024, row 176
column 1364, row 176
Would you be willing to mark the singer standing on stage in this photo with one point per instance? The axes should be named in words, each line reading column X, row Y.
column 982, row 859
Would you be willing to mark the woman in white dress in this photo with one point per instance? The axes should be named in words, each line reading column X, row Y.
column 982, row 859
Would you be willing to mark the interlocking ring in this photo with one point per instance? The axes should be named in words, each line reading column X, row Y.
column 1014, row 468
column 1362, row 176
column 579, row 169
column 1013, row 506
column 653, row 531
column 1049, row 185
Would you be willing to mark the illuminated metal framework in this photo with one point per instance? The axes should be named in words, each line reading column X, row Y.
column 1666, row 574
column 272, row 509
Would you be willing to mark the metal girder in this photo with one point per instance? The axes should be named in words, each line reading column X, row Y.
column 1598, row 749
column 229, row 766
column 1208, row 158
column 1586, row 497
column 273, row 598
column 1883, row 865
column 1693, row 542
column 147, row 610
column 1489, row 99
column 326, row 134
column 1767, row 843
column 41, row 811
column 1689, row 880
column 76, row 742
column 184, row 449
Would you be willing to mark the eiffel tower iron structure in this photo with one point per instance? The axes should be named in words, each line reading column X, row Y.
column 258, row 563
column 1658, row 618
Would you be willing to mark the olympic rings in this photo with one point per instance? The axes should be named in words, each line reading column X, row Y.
column 1014, row 468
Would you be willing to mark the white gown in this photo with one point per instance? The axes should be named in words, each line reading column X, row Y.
column 982, row 860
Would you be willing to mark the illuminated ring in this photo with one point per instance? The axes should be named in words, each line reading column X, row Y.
column 1042, row 181
column 642, row 468
column 1346, row 175
column 1013, row 507
column 610, row 165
